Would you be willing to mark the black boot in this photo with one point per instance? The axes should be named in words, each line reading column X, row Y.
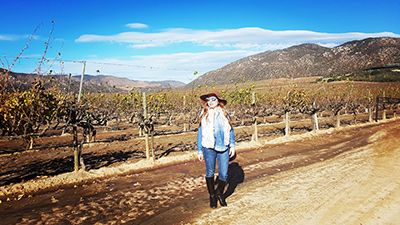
column 211, row 192
column 220, row 192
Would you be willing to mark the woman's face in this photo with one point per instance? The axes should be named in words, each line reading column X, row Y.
column 212, row 102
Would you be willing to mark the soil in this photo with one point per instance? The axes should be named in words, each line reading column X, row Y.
column 335, row 176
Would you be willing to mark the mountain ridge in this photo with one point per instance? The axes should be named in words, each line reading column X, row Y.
column 127, row 84
column 306, row 60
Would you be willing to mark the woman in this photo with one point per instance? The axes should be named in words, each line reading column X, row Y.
column 215, row 142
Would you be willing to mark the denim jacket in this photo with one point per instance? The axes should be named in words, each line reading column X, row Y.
column 219, row 142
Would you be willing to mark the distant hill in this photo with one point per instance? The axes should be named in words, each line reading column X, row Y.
column 127, row 84
column 308, row 60
column 99, row 83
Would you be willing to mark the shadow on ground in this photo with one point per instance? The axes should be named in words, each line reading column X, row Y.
column 63, row 165
column 235, row 177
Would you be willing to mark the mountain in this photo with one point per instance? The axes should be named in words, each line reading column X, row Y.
column 126, row 84
column 308, row 60
column 99, row 83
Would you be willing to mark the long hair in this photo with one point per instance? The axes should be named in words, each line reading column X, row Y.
column 204, row 112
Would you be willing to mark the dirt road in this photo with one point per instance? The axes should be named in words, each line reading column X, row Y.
column 347, row 176
column 360, row 186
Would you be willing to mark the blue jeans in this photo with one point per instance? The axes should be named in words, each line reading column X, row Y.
column 210, row 156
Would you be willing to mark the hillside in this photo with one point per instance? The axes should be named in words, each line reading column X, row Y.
column 390, row 73
column 308, row 60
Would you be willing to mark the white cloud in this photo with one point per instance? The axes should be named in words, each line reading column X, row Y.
column 178, row 66
column 252, row 38
column 149, row 45
column 8, row 37
column 224, row 46
column 14, row 37
column 137, row 25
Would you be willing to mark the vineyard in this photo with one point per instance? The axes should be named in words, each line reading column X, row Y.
column 47, row 131
column 115, row 113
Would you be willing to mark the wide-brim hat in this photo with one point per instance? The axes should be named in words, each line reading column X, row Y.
column 221, row 100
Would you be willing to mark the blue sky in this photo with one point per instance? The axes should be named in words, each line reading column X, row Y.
column 170, row 40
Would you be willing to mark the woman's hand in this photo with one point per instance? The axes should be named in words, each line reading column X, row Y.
column 200, row 157
column 232, row 151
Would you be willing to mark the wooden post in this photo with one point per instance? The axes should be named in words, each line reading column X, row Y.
column 384, row 111
column 69, row 83
column 370, row 114
column 253, row 98
column 152, row 147
column 384, row 107
column 76, row 150
column 81, row 162
column 184, row 115
column 315, row 119
column 75, row 138
column 185, row 127
column 384, row 114
column 287, row 123
column 255, row 135
column 253, row 103
column 146, row 133
column 30, row 143
column 338, row 119
column 81, row 84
